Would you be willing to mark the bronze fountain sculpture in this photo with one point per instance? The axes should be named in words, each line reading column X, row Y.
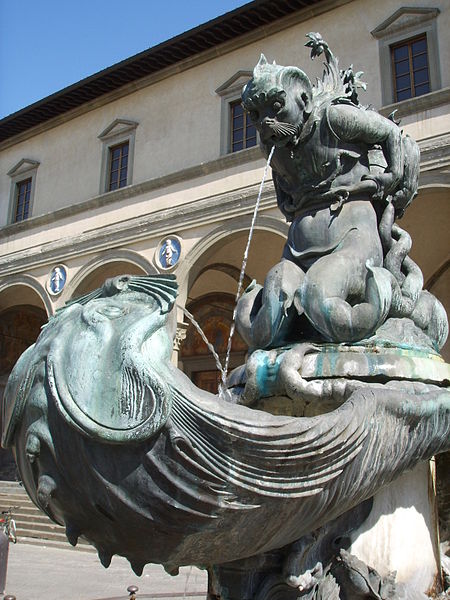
column 343, row 391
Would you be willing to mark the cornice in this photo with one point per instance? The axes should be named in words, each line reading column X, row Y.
column 418, row 104
column 213, row 209
column 220, row 50
column 435, row 155
column 434, row 152
column 131, row 191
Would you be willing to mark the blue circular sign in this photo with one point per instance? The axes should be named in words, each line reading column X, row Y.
column 169, row 252
column 57, row 281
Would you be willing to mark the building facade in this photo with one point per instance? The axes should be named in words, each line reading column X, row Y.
column 151, row 166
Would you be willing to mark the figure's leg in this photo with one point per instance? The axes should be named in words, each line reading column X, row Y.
column 345, row 297
column 264, row 313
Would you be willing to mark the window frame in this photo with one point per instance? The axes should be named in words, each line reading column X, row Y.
column 404, row 25
column 246, row 123
column 109, row 171
column 408, row 44
column 24, row 170
column 230, row 92
column 119, row 132
column 26, row 185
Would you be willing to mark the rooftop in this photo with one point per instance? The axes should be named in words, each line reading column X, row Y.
column 227, row 27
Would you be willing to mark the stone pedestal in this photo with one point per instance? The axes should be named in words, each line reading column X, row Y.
column 401, row 533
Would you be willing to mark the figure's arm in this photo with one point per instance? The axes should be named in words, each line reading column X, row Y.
column 353, row 124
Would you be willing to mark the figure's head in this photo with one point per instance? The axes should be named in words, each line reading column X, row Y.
column 277, row 100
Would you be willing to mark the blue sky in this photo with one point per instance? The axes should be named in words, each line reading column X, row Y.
column 46, row 45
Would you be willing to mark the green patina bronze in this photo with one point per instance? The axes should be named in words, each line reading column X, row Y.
column 342, row 174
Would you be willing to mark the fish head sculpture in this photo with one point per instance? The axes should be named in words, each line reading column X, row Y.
column 97, row 356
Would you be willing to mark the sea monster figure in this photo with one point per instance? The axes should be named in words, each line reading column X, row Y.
column 342, row 174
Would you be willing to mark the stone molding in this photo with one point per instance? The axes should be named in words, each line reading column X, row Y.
column 300, row 16
column 441, row 143
column 105, row 258
column 230, row 92
column 192, row 214
column 435, row 152
column 435, row 156
column 23, row 166
column 131, row 191
column 26, row 168
column 234, row 83
column 435, row 162
column 28, row 281
column 117, row 132
column 118, row 127
column 403, row 18
column 417, row 104
column 402, row 25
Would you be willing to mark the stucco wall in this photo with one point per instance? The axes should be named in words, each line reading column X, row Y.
column 179, row 117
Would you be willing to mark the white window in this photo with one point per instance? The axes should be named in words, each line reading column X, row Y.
column 117, row 155
column 23, row 183
column 409, row 55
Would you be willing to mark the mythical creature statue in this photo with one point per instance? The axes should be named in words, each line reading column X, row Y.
column 342, row 174
column 115, row 443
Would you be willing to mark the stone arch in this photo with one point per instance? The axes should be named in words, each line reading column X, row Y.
column 208, row 277
column 426, row 220
column 214, row 314
column 22, row 314
column 198, row 257
column 20, row 326
column 434, row 178
column 108, row 264
column 230, row 270
column 27, row 289
column 439, row 285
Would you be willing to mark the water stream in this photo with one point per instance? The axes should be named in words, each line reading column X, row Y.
column 195, row 323
column 224, row 372
column 224, row 393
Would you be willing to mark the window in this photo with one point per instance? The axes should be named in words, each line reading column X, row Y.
column 409, row 56
column 243, row 133
column 23, row 183
column 236, row 131
column 117, row 155
column 23, row 197
column 118, row 166
column 410, row 68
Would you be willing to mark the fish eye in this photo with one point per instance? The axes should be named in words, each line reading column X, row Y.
column 111, row 312
column 254, row 115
